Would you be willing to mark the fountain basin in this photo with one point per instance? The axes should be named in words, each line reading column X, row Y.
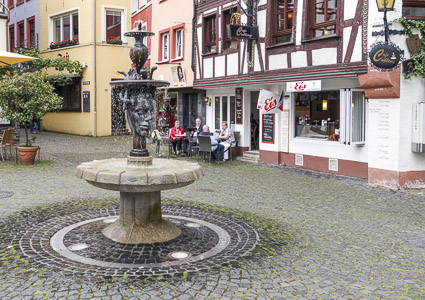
column 140, row 220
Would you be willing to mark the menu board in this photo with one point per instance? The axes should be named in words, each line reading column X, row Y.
column 239, row 105
column 268, row 129
column 86, row 101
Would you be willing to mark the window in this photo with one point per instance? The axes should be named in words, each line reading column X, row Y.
column 283, row 17
column 12, row 38
column 414, row 9
column 19, row 2
column 31, row 33
column 165, row 42
column 142, row 3
column 179, row 35
column 71, row 95
column 21, row 35
column 224, row 110
column 228, row 43
column 323, row 18
column 353, row 109
column 65, row 27
column 210, row 35
column 10, row 3
column 113, row 23
column 317, row 115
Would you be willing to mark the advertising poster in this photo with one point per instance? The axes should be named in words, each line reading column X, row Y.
column 177, row 73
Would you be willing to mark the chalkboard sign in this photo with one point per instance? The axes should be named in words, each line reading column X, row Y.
column 86, row 101
column 239, row 105
column 268, row 128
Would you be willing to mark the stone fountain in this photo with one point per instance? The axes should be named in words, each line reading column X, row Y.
column 139, row 178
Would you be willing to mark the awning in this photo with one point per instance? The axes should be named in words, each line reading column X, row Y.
column 9, row 58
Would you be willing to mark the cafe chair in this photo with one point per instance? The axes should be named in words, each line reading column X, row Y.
column 6, row 141
column 193, row 147
column 235, row 144
column 204, row 147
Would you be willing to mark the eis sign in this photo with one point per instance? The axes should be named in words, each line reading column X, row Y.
column 304, row 86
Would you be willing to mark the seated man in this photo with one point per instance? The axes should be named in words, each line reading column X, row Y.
column 214, row 143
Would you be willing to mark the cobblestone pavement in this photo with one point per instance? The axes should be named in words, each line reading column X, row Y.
column 321, row 236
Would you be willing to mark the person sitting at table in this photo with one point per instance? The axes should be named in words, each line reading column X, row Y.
column 197, row 131
column 176, row 137
column 214, row 143
column 226, row 138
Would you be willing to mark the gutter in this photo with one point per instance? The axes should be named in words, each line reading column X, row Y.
column 193, row 36
column 95, row 72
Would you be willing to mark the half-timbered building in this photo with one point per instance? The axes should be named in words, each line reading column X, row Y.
column 339, row 114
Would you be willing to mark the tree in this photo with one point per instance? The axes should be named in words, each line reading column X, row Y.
column 27, row 95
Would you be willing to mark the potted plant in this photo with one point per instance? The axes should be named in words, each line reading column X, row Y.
column 24, row 96
column 114, row 40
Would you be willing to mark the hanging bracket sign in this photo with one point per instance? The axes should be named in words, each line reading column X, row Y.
column 242, row 32
column 385, row 56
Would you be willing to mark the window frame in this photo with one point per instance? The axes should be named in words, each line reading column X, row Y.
column 162, row 58
column 175, row 43
column 19, row 2
column 225, row 39
column 413, row 3
column 21, row 33
column 347, row 118
column 10, row 4
column 67, row 95
column 274, row 32
column 70, row 14
column 229, row 109
column 206, row 34
column 310, row 24
column 120, row 23
column 12, row 41
column 29, row 21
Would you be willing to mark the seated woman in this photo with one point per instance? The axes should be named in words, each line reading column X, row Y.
column 175, row 140
column 227, row 139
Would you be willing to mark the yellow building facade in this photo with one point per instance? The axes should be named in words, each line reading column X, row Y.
column 88, row 25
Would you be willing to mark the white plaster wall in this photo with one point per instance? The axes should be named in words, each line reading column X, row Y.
column 262, row 2
column 262, row 21
column 257, row 66
column 232, row 64
column 350, row 8
column 299, row 59
column 346, row 32
column 220, row 66
column 326, row 56
column 208, row 67
column 358, row 47
column 299, row 21
column 3, row 35
column 278, row 61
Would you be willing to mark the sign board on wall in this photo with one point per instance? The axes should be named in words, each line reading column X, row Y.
column 86, row 101
column 385, row 57
column 177, row 73
column 268, row 129
column 239, row 105
column 242, row 32
column 304, row 86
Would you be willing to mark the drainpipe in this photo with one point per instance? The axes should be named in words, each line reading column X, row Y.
column 193, row 35
column 95, row 72
column 7, row 25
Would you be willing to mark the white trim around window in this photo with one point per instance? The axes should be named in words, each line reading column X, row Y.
column 61, row 17
column 123, row 10
column 179, row 43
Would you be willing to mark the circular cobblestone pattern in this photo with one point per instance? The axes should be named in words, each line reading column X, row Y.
column 219, row 239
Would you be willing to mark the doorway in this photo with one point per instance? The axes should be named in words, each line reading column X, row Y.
column 255, row 121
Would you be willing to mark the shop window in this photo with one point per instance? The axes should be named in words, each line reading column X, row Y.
column 283, row 18
column 323, row 18
column 21, row 35
column 179, row 40
column 414, row 9
column 228, row 43
column 12, row 38
column 65, row 27
column 71, row 95
column 210, row 35
column 113, row 24
column 317, row 115
column 165, row 47
column 224, row 110
column 31, row 43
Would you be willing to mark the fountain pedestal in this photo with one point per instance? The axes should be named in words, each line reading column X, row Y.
column 141, row 221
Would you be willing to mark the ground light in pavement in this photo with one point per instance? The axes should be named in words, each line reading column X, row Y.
column 68, row 239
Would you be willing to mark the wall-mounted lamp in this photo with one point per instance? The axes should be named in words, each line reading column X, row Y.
column 207, row 100
column 325, row 105
column 384, row 5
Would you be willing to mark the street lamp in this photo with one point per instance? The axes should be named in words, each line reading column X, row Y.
column 384, row 5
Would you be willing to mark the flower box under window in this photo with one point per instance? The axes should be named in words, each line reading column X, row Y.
column 65, row 43
column 113, row 40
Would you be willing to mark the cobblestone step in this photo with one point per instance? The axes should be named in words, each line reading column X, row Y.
column 249, row 158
